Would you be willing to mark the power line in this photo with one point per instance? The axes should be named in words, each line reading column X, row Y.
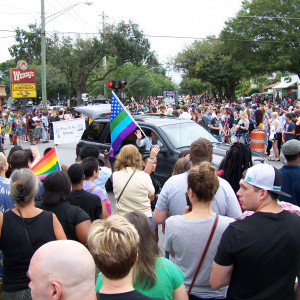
column 5, row 37
column 179, row 37
column 219, row 39
column 268, row 17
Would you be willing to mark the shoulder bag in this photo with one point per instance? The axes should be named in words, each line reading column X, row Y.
column 125, row 185
column 204, row 252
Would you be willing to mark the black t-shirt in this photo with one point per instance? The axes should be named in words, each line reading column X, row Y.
column 264, row 251
column 16, row 249
column 31, row 124
column 216, row 123
column 68, row 215
column 89, row 202
column 133, row 295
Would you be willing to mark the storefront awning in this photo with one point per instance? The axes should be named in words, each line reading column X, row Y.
column 284, row 85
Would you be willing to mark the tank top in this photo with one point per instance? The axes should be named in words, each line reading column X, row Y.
column 16, row 248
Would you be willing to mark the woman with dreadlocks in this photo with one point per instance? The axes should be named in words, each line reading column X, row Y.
column 237, row 160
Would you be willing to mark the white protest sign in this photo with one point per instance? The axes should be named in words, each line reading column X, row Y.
column 68, row 131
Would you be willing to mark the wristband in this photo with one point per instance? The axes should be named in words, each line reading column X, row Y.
column 151, row 160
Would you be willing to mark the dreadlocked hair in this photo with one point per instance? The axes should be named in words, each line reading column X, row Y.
column 237, row 160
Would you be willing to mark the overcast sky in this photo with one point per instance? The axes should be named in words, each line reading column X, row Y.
column 177, row 18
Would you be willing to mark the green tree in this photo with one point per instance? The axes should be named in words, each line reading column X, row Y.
column 264, row 36
column 142, row 80
column 208, row 61
column 28, row 45
column 77, row 59
column 193, row 86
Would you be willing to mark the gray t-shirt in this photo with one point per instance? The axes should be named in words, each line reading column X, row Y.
column 188, row 238
column 172, row 197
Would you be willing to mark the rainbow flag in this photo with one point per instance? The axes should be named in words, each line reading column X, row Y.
column 47, row 164
column 121, row 123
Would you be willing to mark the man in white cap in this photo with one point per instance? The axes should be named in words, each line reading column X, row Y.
column 62, row 270
column 258, row 257
column 291, row 172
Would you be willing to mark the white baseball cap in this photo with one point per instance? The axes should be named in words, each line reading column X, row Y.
column 265, row 177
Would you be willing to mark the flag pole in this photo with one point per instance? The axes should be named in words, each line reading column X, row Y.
column 57, row 157
column 132, row 118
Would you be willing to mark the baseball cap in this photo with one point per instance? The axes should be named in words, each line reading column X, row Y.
column 265, row 177
column 291, row 147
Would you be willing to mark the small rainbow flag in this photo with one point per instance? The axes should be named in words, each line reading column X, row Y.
column 47, row 164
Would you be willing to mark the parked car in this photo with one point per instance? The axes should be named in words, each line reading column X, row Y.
column 175, row 135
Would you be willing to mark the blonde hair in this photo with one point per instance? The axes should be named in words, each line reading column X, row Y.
column 129, row 156
column 179, row 166
column 113, row 242
column 3, row 159
column 274, row 114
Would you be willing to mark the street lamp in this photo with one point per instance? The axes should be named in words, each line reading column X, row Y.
column 43, row 44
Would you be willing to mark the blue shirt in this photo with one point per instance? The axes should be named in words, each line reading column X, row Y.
column 6, row 203
column 290, row 184
column 289, row 127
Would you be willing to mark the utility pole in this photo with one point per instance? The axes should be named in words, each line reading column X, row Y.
column 43, row 57
column 104, row 58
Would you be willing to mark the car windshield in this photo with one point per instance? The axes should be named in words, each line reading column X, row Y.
column 183, row 134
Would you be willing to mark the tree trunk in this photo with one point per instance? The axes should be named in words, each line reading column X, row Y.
column 78, row 96
column 230, row 91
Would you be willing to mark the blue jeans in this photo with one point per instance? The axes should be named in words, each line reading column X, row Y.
column 219, row 137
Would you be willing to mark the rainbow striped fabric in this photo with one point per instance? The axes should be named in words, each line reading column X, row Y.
column 121, row 123
column 47, row 164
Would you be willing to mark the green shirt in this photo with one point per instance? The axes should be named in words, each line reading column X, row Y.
column 168, row 278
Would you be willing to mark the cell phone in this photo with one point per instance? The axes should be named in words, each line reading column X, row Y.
column 188, row 202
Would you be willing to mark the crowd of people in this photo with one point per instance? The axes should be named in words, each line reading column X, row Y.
column 34, row 126
column 234, row 121
column 230, row 233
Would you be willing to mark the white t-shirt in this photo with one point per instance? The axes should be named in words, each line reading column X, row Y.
column 135, row 195
column 172, row 197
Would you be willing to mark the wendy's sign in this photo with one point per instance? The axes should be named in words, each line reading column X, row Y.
column 22, row 74
column 22, row 81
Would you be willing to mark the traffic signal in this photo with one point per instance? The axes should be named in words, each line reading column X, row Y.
column 122, row 84
column 111, row 84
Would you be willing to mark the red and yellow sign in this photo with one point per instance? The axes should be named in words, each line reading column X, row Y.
column 23, row 81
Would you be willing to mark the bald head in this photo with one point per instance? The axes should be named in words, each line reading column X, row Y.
column 62, row 270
